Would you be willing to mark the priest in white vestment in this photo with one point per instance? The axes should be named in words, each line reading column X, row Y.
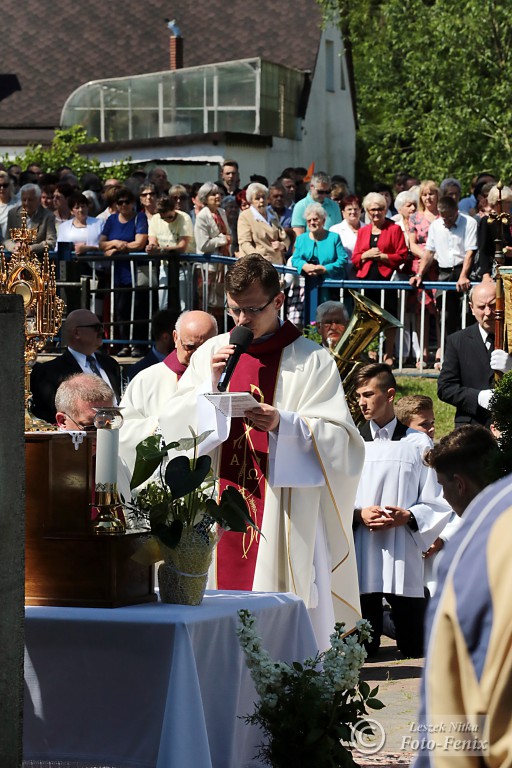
column 400, row 511
column 146, row 394
column 296, row 457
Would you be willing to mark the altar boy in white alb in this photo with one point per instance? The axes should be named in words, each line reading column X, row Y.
column 399, row 512
column 296, row 457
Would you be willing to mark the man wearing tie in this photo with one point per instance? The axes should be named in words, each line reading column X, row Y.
column 83, row 334
column 467, row 376
column 399, row 512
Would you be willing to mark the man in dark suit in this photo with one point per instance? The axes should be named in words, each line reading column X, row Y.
column 83, row 333
column 38, row 218
column 161, row 331
column 467, row 376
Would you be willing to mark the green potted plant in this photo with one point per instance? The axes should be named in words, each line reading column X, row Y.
column 185, row 521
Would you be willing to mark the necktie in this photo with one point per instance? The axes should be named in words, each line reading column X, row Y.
column 490, row 343
column 93, row 365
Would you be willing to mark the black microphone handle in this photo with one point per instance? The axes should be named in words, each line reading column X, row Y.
column 227, row 373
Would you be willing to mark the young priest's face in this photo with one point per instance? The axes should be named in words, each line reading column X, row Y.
column 255, row 309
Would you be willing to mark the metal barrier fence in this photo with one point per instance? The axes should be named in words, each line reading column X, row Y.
column 189, row 287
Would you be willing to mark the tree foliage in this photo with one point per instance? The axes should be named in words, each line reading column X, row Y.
column 432, row 84
column 64, row 150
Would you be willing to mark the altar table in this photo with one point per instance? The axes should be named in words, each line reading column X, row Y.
column 151, row 686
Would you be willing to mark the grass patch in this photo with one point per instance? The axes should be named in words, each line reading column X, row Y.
column 417, row 385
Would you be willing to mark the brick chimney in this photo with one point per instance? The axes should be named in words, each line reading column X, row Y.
column 175, row 46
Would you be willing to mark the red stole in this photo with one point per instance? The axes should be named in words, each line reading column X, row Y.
column 244, row 457
column 174, row 364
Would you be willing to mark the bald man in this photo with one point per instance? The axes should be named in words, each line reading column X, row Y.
column 147, row 393
column 467, row 376
column 83, row 334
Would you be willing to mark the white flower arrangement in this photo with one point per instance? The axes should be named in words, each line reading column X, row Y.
column 307, row 710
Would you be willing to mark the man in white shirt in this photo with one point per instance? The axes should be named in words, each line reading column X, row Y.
column 452, row 243
column 399, row 512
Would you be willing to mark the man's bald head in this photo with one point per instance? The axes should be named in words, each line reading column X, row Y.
column 83, row 331
column 482, row 301
column 192, row 329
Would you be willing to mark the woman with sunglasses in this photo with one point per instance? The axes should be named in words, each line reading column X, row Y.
column 124, row 232
column 6, row 201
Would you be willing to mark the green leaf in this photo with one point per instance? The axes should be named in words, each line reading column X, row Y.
column 231, row 513
column 148, row 459
column 182, row 479
column 364, row 689
column 169, row 535
column 374, row 692
column 187, row 443
column 375, row 704
column 158, row 514
column 297, row 666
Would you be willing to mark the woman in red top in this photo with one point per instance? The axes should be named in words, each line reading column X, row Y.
column 380, row 249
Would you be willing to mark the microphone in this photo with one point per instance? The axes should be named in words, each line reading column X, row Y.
column 241, row 337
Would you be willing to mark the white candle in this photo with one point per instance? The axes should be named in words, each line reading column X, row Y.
column 107, row 451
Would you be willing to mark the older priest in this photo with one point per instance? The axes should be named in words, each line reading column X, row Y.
column 296, row 458
column 147, row 393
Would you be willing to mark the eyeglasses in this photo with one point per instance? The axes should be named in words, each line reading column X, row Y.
column 188, row 347
column 4, row 186
column 236, row 311
column 322, row 191
column 97, row 327
column 148, row 194
column 332, row 322
column 82, row 427
column 180, row 197
column 124, row 202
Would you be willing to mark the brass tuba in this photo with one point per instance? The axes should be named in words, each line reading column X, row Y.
column 367, row 321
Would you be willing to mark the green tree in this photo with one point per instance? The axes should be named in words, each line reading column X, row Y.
column 64, row 150
column 432, row 85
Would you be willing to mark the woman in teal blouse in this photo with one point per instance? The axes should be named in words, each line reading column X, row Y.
column 320, row 253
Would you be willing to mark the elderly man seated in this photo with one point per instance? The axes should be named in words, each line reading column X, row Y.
column 77, row 397
column 75, row 401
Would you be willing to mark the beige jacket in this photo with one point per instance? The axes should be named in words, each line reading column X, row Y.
column 256, row 236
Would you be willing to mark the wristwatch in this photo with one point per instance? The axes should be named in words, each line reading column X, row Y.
column 413, row 525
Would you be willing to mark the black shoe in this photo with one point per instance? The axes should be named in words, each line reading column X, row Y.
column 138, row 352
column 125, row 352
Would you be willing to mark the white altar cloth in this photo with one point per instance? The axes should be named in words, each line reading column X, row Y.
column 151, row 686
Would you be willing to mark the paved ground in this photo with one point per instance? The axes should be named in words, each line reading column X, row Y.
column 399, row 682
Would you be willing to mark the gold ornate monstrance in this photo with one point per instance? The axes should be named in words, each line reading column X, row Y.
column 33, row 280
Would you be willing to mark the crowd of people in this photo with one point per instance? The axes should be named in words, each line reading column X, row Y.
column 416, row 231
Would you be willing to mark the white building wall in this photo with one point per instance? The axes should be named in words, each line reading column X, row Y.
column 329, row 131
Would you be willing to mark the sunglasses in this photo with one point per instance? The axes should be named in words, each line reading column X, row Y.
column 124, row 202
column 98, row 327
column 4, row 186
